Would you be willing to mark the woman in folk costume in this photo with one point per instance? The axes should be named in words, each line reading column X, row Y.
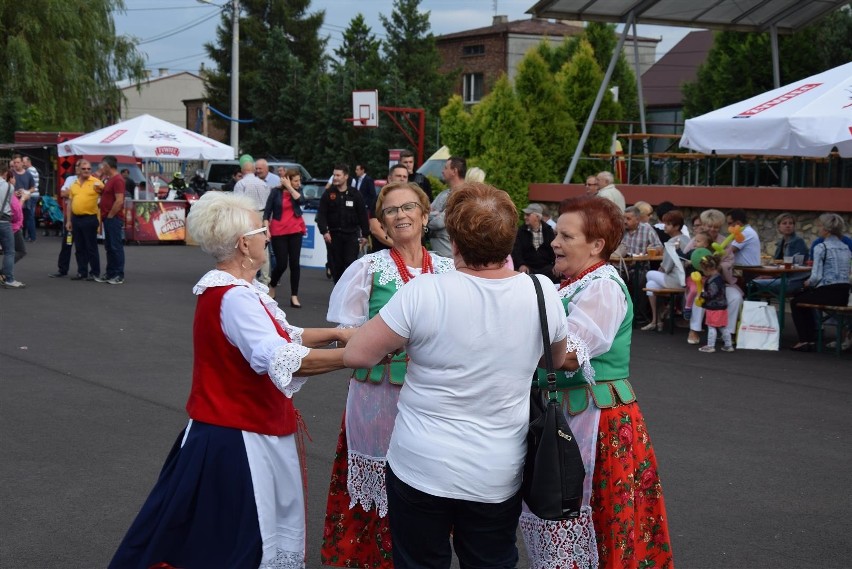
column 231, row 493
column 623, row 522
column 356, row 524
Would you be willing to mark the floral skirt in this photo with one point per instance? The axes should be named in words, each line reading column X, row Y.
column 352, row 537
column 628, row 509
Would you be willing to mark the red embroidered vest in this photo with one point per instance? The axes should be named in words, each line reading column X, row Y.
column 226, row 391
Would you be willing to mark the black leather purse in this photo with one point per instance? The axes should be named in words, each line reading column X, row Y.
column 554, row 470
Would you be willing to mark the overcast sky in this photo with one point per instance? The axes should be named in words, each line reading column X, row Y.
column 173, row 32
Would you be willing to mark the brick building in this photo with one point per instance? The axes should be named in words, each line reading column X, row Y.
column 481, row 55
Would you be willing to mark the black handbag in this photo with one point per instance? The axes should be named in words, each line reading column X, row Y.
column 554, row 470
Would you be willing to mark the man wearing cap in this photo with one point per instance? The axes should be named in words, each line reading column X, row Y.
column 532, row 252
column 258, row 191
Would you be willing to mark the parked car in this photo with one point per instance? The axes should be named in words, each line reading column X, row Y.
column 219, row 172
column 312, row 190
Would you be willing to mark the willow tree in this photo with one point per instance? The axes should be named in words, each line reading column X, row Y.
column 59, row 64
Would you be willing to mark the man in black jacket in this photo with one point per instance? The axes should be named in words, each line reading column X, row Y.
column 532, row 252
column 367, row 186
column 342, row 220
column 406, row 158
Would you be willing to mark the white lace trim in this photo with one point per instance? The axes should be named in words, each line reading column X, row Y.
column 285, row 361
column 576, row 345
column 557, row 545
column 603, row 272
column 285, row 560
column 216, row 278
column 382, row 263
column 365, row 482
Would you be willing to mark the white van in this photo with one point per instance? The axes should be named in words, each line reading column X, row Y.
column 220, row 172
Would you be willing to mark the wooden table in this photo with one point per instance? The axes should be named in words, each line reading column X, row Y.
column 775, row 271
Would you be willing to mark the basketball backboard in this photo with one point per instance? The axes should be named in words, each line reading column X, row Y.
column 365, row 108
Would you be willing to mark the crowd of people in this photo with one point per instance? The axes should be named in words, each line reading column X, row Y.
column 431, row 450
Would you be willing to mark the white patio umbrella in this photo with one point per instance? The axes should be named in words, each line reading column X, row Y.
column 806, row 118
column 147, row 137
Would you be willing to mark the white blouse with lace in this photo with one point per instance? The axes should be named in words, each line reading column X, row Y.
column 370, row 407
column 248, row 327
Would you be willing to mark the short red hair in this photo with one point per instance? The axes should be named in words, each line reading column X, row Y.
column 482, row 221
column 602, row 219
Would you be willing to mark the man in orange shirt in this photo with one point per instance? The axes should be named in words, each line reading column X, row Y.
column 81, row 218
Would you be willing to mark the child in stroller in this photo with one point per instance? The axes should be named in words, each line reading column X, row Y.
column 51, row 215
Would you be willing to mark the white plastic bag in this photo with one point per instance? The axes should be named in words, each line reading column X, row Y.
column 758, row 327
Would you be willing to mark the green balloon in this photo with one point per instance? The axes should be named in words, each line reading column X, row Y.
column 697, row 255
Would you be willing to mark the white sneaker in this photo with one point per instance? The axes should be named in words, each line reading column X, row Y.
column 13, row 284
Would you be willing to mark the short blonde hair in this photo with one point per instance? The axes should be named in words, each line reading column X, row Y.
column 644, row 208
column 832, row 223
column 713, row 218
column 475, row 175
column 218, row 220
column 482, row 221
column 422, row 198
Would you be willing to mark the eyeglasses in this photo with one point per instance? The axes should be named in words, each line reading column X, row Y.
column 394, row 211
column 252, row 232
column 591, row 184
column 86, row 169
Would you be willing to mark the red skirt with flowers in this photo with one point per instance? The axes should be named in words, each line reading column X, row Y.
column 352, row 537
column 628, row 509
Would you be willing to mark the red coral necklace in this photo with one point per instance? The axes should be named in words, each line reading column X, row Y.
column 403, row 268
column 582, row 274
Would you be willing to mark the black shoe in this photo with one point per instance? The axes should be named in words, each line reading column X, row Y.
column 57, row 275
column 79, row 277
column 91, row 278
column 100, row 279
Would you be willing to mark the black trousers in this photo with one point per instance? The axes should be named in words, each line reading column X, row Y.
column 806, row 318
column 343, row 251
column 64, row 261
column 483, row 534
column 85, row 229
column 287, row 250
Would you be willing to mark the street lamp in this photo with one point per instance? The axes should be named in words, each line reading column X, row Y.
column 235, row 74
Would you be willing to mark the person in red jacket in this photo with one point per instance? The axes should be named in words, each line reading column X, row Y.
column 231, row 491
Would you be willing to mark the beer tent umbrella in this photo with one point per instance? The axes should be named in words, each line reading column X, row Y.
column 807, row 118
column 147, row 137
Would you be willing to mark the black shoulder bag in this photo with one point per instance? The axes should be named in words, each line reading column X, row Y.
column 554, row 470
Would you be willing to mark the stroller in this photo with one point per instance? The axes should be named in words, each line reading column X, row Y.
column 51, row 215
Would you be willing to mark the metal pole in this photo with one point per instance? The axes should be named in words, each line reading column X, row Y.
column 593, row 113
column 235, row 78
column 641, row 104
column 776, row 66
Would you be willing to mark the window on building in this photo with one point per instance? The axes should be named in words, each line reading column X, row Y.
column 474, row 84
column 470, row 50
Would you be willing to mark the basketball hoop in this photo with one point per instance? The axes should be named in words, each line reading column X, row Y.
column 365, row 109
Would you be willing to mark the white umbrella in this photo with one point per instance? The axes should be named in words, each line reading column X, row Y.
column 805, row 118
column 147, row 137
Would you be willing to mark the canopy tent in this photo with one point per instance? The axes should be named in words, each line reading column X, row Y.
column 147, row 137
column 805, row 118
column 773, row 16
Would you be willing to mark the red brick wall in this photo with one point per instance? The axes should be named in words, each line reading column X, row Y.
column 491, row 64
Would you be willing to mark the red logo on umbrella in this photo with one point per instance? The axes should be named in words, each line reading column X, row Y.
column 167, row 151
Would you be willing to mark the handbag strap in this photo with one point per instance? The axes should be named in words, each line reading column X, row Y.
column 545, row 336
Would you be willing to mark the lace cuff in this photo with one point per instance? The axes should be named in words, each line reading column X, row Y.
column 285, row 560
column 286, row 359
column 576, row 345
column 566, row 543
column 366, row 483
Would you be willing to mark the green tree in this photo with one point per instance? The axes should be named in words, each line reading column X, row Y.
column 59, row 63
column 579, row 80
column 604, row 40
column 511, row 160
column 258, row 18
column 457, row 128
column 552, row 128
column 411, row 55
column 739, row 65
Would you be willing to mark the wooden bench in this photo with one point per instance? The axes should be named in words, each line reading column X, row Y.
column 842, row 318
column 672, row 294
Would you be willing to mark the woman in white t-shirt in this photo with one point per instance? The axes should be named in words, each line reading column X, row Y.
column 473, row 341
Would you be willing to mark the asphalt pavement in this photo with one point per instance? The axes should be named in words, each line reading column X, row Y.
column 753, row 447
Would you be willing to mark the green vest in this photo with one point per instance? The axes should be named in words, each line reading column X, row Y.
column 394, row 371
column 611, row 370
